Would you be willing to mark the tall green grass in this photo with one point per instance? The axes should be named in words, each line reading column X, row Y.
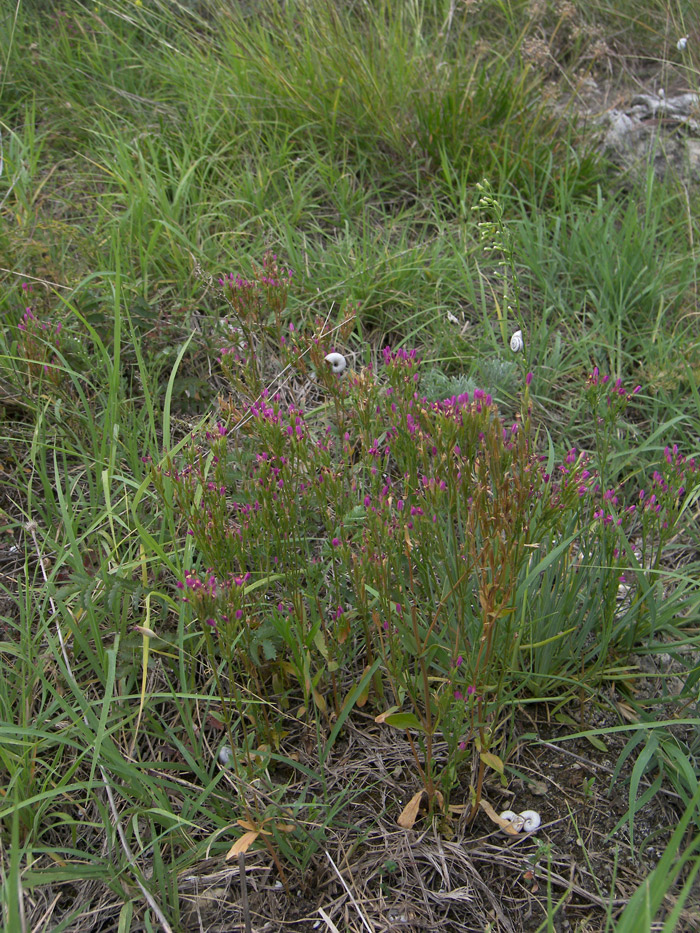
column 150, row 149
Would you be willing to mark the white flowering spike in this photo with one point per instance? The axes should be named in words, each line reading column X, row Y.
column 225, row 755
column 517, row 342
column 682, row 44
column 531, row 820
column 337, row 362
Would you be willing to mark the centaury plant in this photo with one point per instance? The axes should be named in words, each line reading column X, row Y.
column 378, row 535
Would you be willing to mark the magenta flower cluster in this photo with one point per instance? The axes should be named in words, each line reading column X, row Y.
column 615, row 388
column 389, row 525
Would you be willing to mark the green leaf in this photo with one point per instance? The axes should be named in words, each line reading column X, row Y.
column 492, row 761
column 404, row 721
column 320, row 643
column 597, row 742
column 125, row 916
column 269, row 650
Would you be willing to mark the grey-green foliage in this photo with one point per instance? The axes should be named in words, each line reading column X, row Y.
column 496, row 376
column 436, row 385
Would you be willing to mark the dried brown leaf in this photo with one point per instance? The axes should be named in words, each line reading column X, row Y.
column 505, row 825
column 389, row 712
column 409, row 814
column 242, row 844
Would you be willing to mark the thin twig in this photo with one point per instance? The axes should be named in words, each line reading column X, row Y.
column 331, row 926
column 365, row 921
column 23, row 275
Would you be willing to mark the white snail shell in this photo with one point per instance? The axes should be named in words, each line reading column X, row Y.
column 532, row 820
column 682, row 44
column 337, row 362
column 513, row 818
column 516, row 341
column 225, row 755
column 529, row 820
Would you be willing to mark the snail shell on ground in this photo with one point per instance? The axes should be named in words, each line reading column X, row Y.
column 336, row 361
column 516, row 341
column 532, row 820
column 513, row 818
column 529, row 820
column 225, row 755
